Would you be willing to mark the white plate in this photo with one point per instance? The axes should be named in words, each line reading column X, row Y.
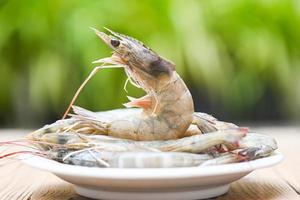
column 152, row 183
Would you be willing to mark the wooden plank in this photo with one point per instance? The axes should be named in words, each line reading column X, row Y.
column 18, row 181
column 288, row 139
column 261, row 185
column 23, row 182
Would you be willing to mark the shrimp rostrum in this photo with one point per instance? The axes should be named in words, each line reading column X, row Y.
column 159, row 129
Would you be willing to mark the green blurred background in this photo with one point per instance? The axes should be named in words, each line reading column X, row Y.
column 240, row 59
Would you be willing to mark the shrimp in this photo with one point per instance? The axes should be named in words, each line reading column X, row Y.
column 167, row 108
column 106, row 151
column 202, row 123
column 95, row 157
column 200, row 143
column 251, row 147
column 194, row 144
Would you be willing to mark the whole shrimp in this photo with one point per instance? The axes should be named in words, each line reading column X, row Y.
column 167, row 108
column 97, row 158
column 252, row 147
column 193, row 144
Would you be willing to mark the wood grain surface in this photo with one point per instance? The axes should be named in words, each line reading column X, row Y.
column 18, row 181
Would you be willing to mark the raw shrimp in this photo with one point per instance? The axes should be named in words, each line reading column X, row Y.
column 167, row 108
column 94, row 157
column 195, row 143
column 135, row 155
column 200, row 143
column 249, row 147
column 106, row 151
column 252, row 146
column 68, row 130
column 99, row 122
column 96, row 121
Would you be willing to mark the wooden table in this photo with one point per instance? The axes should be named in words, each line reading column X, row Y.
column 18, row 181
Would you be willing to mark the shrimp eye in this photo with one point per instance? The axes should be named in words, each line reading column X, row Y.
column 115, row 43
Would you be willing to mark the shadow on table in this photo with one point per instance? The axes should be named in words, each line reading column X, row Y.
column 243, row 189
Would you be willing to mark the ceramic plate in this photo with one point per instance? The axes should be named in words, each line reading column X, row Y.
column 152, row 183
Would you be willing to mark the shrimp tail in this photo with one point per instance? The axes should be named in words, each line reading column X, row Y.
column 84, row 112
column 207, row 123
column 88, row 120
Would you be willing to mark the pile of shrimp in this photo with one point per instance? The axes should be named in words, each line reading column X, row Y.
column 160, row 129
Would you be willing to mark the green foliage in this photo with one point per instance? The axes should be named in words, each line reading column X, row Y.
column 236, row 51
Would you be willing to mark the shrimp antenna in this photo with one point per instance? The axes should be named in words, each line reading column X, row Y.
column 95, row 70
